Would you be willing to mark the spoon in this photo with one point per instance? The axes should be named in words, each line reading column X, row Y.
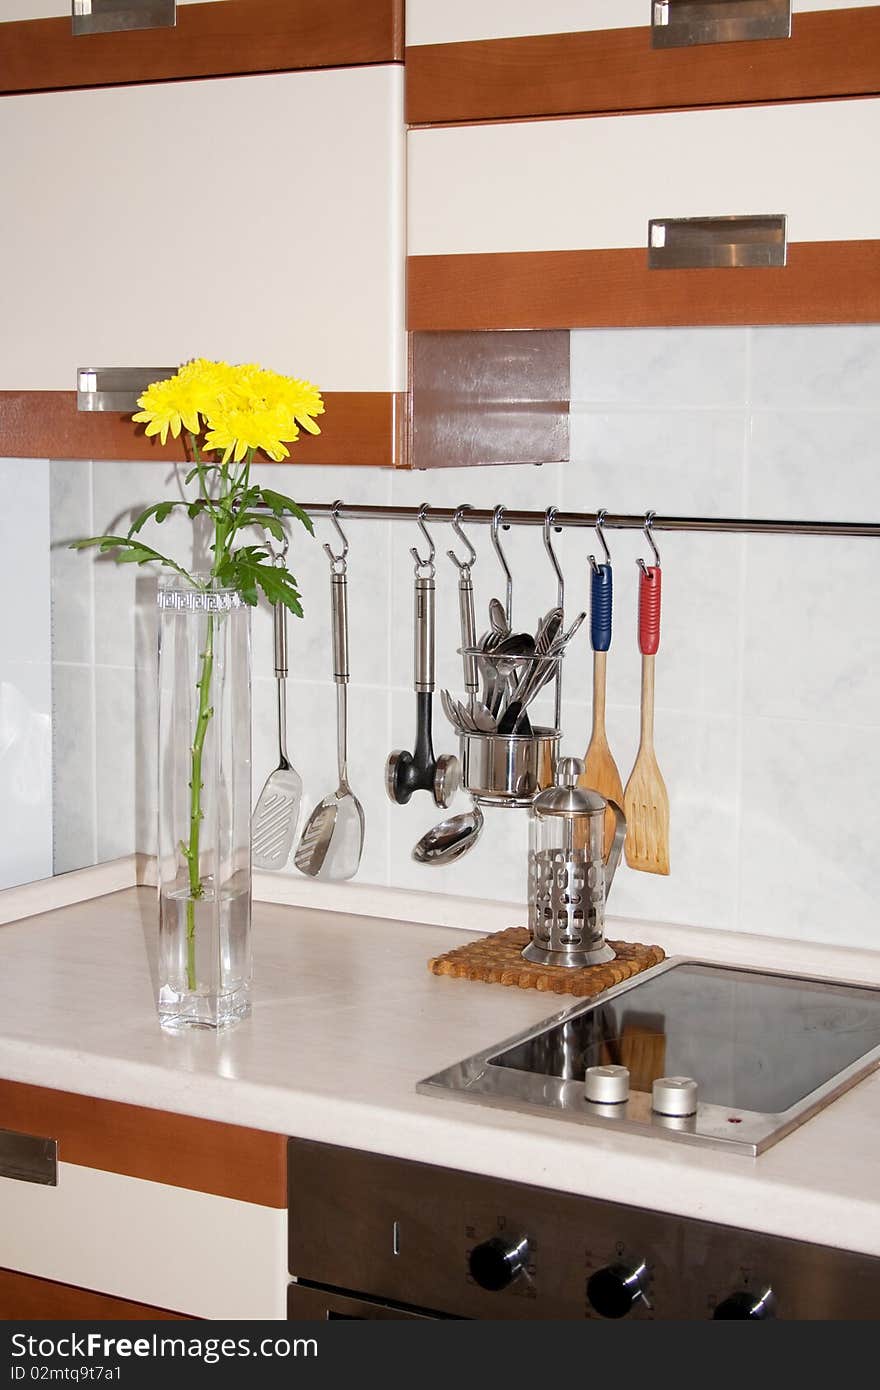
column 450, row 839
column 333, row 839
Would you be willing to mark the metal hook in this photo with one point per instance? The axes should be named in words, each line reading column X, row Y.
column 508, row 603
column 279, row 556
column 421, row 564
column 464, row 566
column 649, row 522
column 600, row 522
column 337, row 561
column 549, row 518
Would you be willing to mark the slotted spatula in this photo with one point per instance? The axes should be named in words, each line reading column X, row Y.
column 600, row 770
column 276, row 815
column 645, row 800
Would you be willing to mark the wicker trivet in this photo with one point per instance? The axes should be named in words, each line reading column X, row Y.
column 497, row 960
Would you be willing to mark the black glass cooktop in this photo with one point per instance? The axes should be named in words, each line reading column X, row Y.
column 751, row 1041
column 766, row 1050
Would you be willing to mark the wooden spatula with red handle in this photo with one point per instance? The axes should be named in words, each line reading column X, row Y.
column 645, row 800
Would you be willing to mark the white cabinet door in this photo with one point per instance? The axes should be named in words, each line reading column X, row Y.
column 461, row 21
column 594, row 182
column 255, row 218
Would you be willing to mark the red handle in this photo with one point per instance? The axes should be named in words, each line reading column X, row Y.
column 649, row 610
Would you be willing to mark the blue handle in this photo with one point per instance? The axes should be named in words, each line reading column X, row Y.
column 600, row 608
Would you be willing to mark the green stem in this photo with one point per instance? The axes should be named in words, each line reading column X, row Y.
column 222, row 534
column 191, row 851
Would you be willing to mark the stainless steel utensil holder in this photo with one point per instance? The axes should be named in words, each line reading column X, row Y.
column 508, row 769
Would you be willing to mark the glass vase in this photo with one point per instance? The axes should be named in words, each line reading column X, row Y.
column 204, row 854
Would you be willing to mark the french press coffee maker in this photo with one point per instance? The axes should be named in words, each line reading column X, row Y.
column 569, row 876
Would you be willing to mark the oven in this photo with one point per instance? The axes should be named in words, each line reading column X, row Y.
column 379, row 1237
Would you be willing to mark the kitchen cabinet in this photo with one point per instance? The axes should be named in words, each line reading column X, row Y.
column 125, row 1176
column 495, row 59
column 38, row 50
column 544, row 224
column 256, row 218
column 25, row 1298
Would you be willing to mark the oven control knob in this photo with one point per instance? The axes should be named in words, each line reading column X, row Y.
column 496, row 1262
column 615, row 1290
column 745, row 1304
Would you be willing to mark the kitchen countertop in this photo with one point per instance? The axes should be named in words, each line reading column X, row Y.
column 347, row 1019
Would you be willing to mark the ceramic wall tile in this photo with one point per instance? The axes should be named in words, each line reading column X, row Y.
column 70, row 491
column 25, row 771
column 669, row 367
column 810, row 825
column 812, row 645
column 824, row 462
column 825, row 367
column 120, row 492
column 73, row 757
column 24, row 561
column 119, row 784
column 698, row 756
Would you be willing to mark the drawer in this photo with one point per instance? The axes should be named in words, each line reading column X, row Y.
column 208, row 1256
column 509, row 58
column 545, row 223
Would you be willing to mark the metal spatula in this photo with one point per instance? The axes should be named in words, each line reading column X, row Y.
column 333, row 839
column 276, row 815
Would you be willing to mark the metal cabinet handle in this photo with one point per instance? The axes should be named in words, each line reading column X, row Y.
column 682, row 23
column 692, row 243
column 28, row 1158
column 109, row 16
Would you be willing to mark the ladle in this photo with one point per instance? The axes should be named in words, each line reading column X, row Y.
column 450, row 839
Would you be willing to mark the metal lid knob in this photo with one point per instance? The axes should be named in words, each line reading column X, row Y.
column 674, row 1095
column 568, row 770
column 566, row 798
column 607, row 1085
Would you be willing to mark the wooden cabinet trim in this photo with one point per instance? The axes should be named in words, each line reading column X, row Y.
column 27, row 1298
column 249, row 1165
column 358, row 428
column 824, row 282
column 830, row 53
column 223, row 38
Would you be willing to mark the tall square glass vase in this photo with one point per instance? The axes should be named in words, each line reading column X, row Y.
column 204, row 845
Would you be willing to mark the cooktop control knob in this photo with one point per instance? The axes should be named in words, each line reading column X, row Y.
column 496, row 1262
column 746, row 1304
column 674, row 1095
column 615, row 1290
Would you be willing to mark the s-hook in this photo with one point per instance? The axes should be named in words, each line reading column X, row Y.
column 407, row 772
column 549, row 518
column 466, row 606
column 508, row 577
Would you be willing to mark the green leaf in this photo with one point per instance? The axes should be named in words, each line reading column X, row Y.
column 160, row 511
column 126, row 551
column 280, row 505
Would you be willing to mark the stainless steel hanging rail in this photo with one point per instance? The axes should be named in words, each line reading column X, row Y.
column 619, row 521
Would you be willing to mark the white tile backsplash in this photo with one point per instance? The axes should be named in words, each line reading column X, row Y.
column 767, row 684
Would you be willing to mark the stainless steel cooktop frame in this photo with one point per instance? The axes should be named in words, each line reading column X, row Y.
column 739, row 1131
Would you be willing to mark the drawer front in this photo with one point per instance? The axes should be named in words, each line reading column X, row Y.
column 206, row 1256
column 469, row 62
column 545, row 223
column 458, row 21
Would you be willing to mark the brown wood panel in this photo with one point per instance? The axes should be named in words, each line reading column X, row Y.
column 824, row 282
column 830, row 53
column 26, row 1298
column 357, row 427
column 181, row 1150
column 212, row 40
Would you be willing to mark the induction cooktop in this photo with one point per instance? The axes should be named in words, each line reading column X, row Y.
column 766, row 1050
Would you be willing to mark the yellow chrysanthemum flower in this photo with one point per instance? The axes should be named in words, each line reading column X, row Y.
column 242, row 408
